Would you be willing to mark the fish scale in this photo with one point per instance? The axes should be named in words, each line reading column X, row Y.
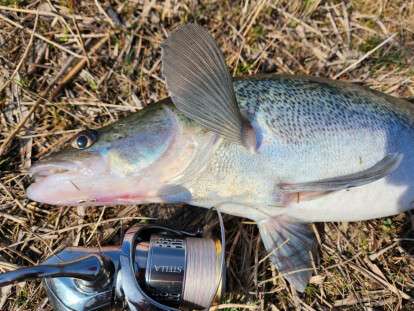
column 321, row 118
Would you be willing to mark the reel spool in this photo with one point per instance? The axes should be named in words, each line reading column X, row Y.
column 179, row 271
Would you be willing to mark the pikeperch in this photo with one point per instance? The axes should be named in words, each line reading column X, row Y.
column 281, row 150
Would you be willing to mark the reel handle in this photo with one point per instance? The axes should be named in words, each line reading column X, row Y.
column 94, row 271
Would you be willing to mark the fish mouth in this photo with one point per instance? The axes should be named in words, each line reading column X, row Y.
column 88, row 183
column 61, row 182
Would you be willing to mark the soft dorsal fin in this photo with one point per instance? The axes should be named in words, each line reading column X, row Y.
column 201, row 86
column 381, row 169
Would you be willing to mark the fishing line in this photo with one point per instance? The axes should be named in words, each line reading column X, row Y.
column 205, row 269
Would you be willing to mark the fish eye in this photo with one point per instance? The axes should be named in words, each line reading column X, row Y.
column 84, row 139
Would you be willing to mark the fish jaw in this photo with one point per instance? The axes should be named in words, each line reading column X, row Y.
column 91, row 186
column 80, row 192
column 59, row 181
column 87, row 180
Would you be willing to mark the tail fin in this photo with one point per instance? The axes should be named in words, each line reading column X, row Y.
column 293, row 247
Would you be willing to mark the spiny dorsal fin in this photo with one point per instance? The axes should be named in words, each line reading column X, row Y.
column 201, row 86
column 381, row 169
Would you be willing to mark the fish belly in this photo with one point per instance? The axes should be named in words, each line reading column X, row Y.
column 388, row 196
column 376, row 200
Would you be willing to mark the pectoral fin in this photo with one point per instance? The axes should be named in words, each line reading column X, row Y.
column 201, row 86
column 292, row 246
column 386, row 166
column 174, row 194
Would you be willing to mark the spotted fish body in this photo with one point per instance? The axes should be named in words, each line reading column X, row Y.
column 281, row 150
column 311, row 129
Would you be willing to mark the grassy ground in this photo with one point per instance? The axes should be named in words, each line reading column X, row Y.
column 43, row 44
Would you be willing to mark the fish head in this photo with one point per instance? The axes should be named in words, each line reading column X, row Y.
column 132, row 161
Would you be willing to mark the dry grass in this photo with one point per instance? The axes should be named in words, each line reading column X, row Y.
column 69, row 64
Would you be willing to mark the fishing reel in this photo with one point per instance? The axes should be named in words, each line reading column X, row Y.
column 155, row 268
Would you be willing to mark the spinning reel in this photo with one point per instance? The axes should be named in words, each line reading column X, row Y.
column 155, row 268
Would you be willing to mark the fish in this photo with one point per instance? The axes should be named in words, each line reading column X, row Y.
column 284, row 151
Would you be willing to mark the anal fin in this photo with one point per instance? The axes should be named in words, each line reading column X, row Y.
column 292, row 245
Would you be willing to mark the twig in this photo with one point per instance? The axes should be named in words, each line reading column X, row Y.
column 61, row 47
column 81, row 42
column 79, row 66
column 382, row 251
column 100, row 8
column 68, row 229
column 18, row 220
column 41, row 13
column 308, row 27
column 26, row 51
column 97, row 225
column 41, row 98
column 259, row 8
column 69, row 76
column 352, row 66
column 234, row 305
column 379, row 279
